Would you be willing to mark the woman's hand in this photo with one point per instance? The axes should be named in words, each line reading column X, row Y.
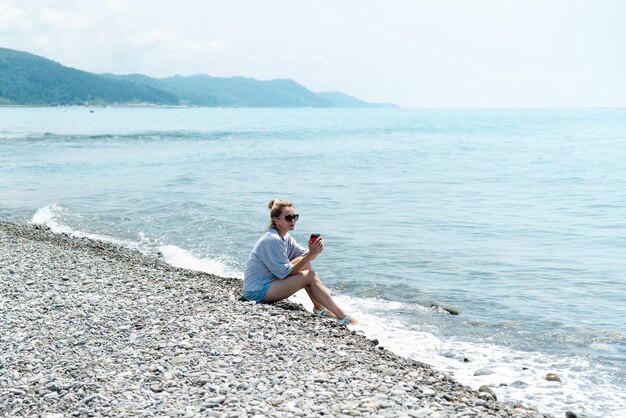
column 316, row 247
column 304, row 262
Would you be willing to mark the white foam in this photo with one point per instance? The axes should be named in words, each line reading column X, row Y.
column 49, row 216
column 603, row 347
column 575, row 393
column 46, row 217
column 179, row 257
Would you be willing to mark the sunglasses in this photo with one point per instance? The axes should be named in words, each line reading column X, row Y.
column 290, row 218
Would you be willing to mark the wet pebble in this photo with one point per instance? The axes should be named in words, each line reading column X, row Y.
column 551, row 377
column 484, row 371
column 487, row 389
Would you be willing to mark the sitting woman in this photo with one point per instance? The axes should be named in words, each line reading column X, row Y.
column 278, row 266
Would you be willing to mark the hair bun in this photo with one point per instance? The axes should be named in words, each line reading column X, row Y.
column 273, row 202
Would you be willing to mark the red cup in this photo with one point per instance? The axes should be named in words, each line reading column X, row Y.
column 313, row 238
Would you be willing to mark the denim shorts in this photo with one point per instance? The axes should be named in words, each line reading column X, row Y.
column 257, row 295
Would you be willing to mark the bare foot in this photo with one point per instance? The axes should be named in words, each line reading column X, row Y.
column 351, row 320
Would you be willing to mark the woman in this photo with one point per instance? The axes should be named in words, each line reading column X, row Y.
column 278, row 266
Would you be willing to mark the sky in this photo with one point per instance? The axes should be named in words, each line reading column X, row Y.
column 413, row 53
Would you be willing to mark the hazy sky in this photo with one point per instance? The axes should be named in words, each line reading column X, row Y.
column 415, row 53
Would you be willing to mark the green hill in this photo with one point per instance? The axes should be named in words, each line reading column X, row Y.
column 28, row 79
column 204, row 90
column 245, row 92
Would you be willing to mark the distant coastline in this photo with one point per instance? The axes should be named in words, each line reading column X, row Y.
column 31, row 80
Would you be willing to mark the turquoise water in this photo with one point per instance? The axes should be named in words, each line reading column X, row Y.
column 514, row 216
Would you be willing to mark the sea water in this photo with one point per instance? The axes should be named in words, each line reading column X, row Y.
column 516, row 217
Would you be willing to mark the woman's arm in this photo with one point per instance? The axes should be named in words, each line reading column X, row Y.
column 315, row 248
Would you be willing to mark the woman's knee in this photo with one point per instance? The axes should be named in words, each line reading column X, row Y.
column 311, row 276
column 307, row 266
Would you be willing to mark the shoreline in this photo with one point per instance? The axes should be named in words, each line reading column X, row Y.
column 95, row 329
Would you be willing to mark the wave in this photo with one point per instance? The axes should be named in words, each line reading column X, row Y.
column 50, row 215
column 46, row 216
column 142, row 136
column 179, row 257
column 185, row 135
column 516, row 376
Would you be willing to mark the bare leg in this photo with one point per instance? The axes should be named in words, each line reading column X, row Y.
column 316, row 305
column 282, row 289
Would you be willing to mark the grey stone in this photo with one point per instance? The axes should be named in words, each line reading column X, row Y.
column 180, row 359
column 487, row 389
column 484, row 371
column 53, row 387
column 551, row 377
column 389, row 371
column 426, row 391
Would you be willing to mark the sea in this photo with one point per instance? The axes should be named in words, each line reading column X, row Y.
column 515, row 217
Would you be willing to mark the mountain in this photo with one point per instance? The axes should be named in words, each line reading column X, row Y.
column 338, row 99
column 28, row 79
column 247, row 92
column 204, row 90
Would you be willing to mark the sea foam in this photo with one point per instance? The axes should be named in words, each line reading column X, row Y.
column 179, row 257
column 51, row 215
column 518, row 376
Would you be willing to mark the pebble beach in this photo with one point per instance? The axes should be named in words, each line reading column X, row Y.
column 94, row 329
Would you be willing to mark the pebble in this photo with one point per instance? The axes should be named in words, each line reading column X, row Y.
column 452, row 310
column 179, row 360
column 420, row 413
column 484, row 371
column 389, row 371
column 92, row 329
column 487, row 389
column 53, row 387
column 551, row 377
column 426, row 391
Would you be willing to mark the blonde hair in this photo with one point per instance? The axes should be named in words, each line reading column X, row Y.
column 276, row 209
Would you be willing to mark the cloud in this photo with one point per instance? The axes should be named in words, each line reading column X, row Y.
column 13, row 20
column 104, row 37
column 116, row 6
column 64, row 21
column 114, row 36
